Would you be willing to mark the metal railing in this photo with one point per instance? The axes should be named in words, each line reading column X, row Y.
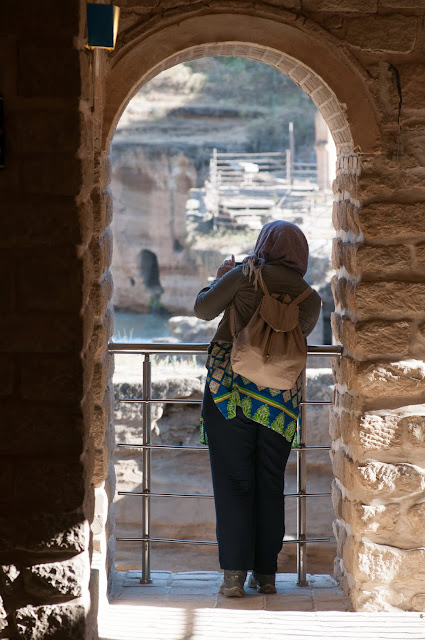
column 146, row 494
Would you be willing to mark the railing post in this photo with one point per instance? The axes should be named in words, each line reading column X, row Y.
column 301, row 489
column 288, row 169
column 146, row 470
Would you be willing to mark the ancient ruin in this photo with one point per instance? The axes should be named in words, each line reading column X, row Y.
column 362, row 63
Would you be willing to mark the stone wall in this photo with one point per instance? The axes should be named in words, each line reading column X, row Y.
column 53, row 339
column 362, row 63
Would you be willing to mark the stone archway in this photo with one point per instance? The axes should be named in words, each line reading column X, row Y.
column 375, row 392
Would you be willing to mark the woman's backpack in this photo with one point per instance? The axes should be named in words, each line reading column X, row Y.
column 271, row 350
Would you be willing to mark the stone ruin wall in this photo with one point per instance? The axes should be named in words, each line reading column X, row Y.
column 55, row 392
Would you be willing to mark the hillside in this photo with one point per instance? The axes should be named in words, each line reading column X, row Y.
column 231, row 103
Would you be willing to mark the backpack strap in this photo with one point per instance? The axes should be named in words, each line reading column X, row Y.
column 232, row 320
column 302, row 296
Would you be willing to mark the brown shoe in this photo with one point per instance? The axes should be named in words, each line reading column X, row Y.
column 263, row 583
column 232, row 585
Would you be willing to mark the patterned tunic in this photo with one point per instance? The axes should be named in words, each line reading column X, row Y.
column 274, row 408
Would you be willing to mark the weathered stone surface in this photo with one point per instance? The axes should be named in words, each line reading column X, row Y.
column 101, row 249
column 391, row 479
column 399, row 431
column 416, row 516
column 101, row 296
column 377, row 478
column 356, row 6
column 392, row 222
column 413, row 91
column 55, row 581
column 51, row 376
column 10, row 579
column 380, row 297
column 387, row 565
column 191, row 329
column 420, row 257
column 41, row 76
column 381, row 379
column 3, row 616
column 102, row 416
column 42, row 332
column 41, row 429
column 55, row 173
column 60, row 622
column 367, row 340
column 382, row 33
column 381, row 260
column 64, row 491
column 371, row 520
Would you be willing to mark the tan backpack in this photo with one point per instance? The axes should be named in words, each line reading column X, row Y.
column 271, row 350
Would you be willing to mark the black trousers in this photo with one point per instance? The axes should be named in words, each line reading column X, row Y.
column 248, row 463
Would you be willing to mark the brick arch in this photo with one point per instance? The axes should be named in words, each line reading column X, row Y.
column 325, row 73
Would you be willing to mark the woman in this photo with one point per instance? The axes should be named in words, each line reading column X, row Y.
column 250, row 429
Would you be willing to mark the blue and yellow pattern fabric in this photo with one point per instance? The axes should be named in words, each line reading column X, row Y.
column 274, row 408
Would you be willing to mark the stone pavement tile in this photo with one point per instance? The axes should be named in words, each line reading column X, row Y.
column 194, row 589
column 144, row 590
column 190, row 602
column 321, row 581
column 289, row 603
column 247, row 603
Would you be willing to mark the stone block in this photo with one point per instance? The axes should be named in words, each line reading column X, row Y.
column 382, row 297
column 416, row 518
column 56, row 622
column 103, row 332
column 10, row 580
column 52, row 377
column 56, row 23
column 102, row 416
column 387, row 565
column 53, row 281
column 46, row 221
column 370, row 520
column 54, row 581
column 42, row 131
column 339, row 6
column 414, row 427
column 420, row 257
column 42, row 484
column 378, row 480
column 103, row 372
column 385, row 261
column 38, row 429
column 392, row 221
column 394, row 33
column 101, row 249
column 41, row 332
column 3, row 616
column 101, row 467
column 55, row 173
column 7, row 375
column 47, row 72
column 395, row 480
column 372, row 338
column 101, row 296
column 381, row 379
column 413, row 91
column 102, row 210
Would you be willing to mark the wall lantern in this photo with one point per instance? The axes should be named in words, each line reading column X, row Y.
column 102, row 25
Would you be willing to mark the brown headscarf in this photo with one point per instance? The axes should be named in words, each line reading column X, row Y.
column 279, row 242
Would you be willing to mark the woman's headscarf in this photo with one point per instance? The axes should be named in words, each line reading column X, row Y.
column 279, row 242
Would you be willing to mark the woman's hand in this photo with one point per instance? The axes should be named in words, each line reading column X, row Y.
column 226, row 265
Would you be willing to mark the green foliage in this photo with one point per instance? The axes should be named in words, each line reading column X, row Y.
column 265, row 97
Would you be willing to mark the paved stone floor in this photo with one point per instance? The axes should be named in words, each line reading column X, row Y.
column 187, row 606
